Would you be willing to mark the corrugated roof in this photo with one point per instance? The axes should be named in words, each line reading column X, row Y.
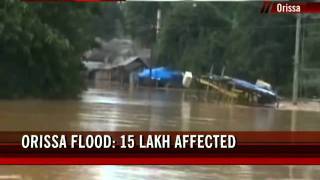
column 126, row 63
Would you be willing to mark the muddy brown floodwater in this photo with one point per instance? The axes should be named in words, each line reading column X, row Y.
column 150, row 109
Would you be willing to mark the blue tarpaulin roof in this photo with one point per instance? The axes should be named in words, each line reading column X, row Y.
column 160, row 73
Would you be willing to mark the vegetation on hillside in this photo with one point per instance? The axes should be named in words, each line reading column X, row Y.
column 234, row 37
column 41, row 44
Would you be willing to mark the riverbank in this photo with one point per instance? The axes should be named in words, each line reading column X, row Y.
column 304, row 105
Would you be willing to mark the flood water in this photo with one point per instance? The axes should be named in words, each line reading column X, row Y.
column 150, row 109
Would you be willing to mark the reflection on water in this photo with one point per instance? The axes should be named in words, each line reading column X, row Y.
column 159, row 172
column 147, row 109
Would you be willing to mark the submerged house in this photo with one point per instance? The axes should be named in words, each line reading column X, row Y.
column 122, row 72
column 116, row 61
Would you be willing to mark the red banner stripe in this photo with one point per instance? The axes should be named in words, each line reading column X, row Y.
column 160, row 161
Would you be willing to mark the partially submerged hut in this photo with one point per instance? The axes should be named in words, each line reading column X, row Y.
column 116, row 61
column 123, row 72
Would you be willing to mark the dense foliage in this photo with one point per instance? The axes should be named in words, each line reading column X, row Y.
column 41, row 46
column 141, row 21
column 230, row 36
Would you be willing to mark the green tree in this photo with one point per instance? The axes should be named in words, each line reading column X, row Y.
column 141, row 21
column 41, row 46
column 233, row 35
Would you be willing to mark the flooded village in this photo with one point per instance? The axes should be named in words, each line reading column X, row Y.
column 110, row 104
column 206, row 69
